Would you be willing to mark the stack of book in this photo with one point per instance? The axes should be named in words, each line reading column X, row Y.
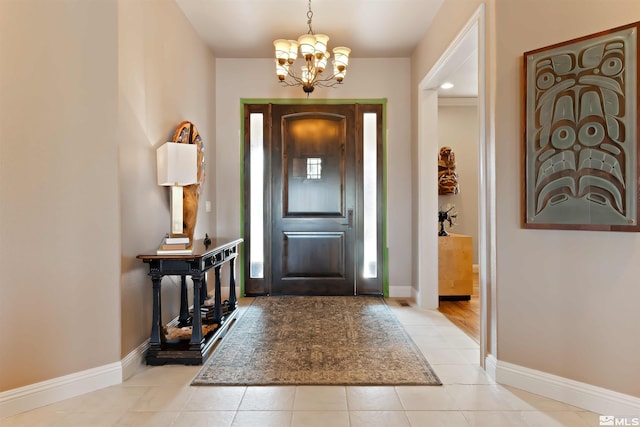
column 206, row 313
column 175, row 246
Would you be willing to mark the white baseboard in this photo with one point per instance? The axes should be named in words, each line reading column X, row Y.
column 400, row 291
column 416, row 295
column 490, row 365
column 44, row 393
column 134, row 360
column 582, row 395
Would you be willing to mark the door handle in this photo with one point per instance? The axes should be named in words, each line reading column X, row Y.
column 349, row 223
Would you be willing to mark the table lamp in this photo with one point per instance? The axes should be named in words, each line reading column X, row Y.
column 177, row 167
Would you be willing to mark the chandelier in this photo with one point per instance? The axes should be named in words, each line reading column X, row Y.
column 313, row 50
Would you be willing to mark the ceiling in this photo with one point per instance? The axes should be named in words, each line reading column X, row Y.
column 371, row 28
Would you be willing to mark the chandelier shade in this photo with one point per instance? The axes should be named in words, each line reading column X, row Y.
column 313, row 50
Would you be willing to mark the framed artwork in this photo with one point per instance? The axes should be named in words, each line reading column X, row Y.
column 581, row 151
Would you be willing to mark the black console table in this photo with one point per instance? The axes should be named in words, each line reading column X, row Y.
column 195, row 350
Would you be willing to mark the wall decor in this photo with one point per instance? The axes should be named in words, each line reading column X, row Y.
column 447, row 175
column 581, row 133
column 186, row 133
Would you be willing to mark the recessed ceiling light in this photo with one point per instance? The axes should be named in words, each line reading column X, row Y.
column 446, row 85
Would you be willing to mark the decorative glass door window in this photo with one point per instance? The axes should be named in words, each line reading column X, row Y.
column 314, row 168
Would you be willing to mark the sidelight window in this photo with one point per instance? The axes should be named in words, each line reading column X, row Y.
column 256, row 255
column 370, row 177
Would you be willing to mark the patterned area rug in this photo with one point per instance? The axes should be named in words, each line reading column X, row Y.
column 317, row 341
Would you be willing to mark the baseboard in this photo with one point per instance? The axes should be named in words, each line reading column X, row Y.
column 400, row 292
column 582, row 395
column 490, row 365
column 415, row 296
column 134, row 360
column 36, row 395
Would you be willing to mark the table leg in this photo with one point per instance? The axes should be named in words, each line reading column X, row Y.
column 204, row 293
column 232, row 284
column 157, row 336
column 196, row 322
column 183, row 319
column 217, row 307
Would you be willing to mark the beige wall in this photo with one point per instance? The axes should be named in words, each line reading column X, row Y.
column 166, row 75
column 458, row 129
column 366, row 79
column 60, row 209
column 566, row 300
column 89, row 91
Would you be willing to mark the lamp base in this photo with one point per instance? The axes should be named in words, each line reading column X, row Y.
column 177, row 222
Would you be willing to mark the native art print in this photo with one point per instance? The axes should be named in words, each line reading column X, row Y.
column 581, row 149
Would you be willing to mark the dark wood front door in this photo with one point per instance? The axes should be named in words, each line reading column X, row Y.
column 313, row 200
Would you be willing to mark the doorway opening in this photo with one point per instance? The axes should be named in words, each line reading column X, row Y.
column 428, row 204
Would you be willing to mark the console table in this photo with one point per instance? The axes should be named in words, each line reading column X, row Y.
column 455, row 267
column 193, row 351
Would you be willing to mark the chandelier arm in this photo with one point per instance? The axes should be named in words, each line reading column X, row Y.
column 324, row 83
column 326, row 79
column 317, row 80
column 298, row 80
column 285, row 83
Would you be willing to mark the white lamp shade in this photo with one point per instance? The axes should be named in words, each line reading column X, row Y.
column 282, row 50
column 282, row 70
column 293, row 51
column 307, row 44
column 177, row 164
column 341, row 57
column 321, row 45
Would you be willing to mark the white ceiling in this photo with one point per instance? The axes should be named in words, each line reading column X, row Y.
column 371, row 28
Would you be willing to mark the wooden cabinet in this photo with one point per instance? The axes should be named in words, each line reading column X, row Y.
column 455, row 267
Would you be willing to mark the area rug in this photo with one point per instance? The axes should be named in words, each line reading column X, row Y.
column 317, row 341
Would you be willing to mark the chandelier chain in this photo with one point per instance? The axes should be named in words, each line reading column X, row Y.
column 309, row 18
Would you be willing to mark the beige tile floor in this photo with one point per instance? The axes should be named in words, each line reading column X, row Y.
column 161, row 396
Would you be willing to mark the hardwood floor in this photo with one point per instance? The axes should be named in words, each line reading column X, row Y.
column 465, row 314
